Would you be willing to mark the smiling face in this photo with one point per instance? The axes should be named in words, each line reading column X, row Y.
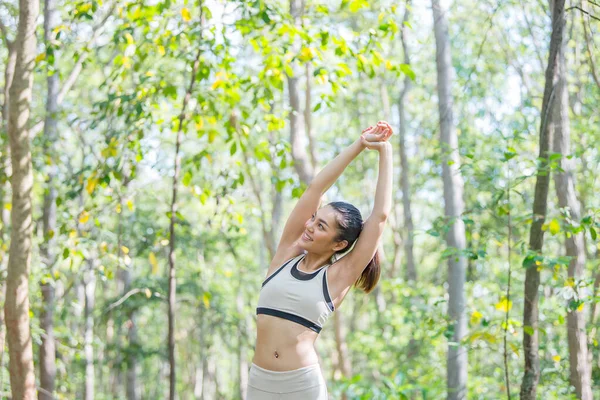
column 320, row 232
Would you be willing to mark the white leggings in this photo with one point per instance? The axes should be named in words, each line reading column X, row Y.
column 306, row 383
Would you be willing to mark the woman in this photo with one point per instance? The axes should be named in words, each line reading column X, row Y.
column 302, row 288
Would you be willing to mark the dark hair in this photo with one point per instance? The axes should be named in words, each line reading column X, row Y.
column 350, row 224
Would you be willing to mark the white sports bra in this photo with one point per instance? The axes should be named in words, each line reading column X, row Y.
column 297, row 296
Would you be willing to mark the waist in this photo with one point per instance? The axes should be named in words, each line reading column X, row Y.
column 283, row 345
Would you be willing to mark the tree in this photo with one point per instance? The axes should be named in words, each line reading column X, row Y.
column 536, row 234
column 48, row 247
column 456, row 365
column 16, row 308
column 564, row 184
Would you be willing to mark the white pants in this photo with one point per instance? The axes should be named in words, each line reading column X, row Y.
column 306, row 383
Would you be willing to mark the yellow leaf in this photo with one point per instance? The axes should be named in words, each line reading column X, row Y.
column 161, row 50
column 84, row 217
column 570, row 282
column 556, row 358
column 206, row 300
column 153, row 263
column 8, row 206
column 40, row 57
column 554, row 227
column 185, row 14
column 199, row 123
column 125, row 249
column 362, row 59
column 504, row 305
column 164, row 242
column 388, row 64
column 228, row 274
column 306, row 54
column 212, row 136
column 129, row 38
column 118, row 209
column 580, row 308
column 476, row 317
column 148, row 292
column 91, row 185
column 73, row 234
column 130, row 205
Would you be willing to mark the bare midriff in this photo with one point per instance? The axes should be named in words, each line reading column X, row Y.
column 283, row 345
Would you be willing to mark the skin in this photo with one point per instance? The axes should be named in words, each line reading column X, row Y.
column 283, row 345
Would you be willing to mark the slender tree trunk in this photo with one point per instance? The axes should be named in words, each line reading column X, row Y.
column 580, row 376
column 177, row 167
column 5, row 190
column 301, row 162
column 90, row 291
column 16, row 308
column 536, row 234
column 48, row 248
column 453, row 208
column 411, row 270
column 308, row 119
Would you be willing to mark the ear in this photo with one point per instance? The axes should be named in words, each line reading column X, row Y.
column 340, row 245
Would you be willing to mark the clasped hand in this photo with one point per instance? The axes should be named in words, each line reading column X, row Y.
column 375, row 137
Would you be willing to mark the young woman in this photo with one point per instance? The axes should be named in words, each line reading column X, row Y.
column 303, row 288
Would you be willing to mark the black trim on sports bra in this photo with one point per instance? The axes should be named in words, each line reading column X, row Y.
column 278, row 271
column 290, row 317
column 326, row 293
column 303, row 276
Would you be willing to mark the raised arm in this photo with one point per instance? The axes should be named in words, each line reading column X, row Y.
column 311, row 198
column 368, row 240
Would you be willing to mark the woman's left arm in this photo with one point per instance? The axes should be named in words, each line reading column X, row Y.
column 368, row 240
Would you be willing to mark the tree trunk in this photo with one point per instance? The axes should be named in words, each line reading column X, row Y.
column 48, row 247
column 580, row 376
column 308, row 119
column 456, row 364
column 177, row 169
column 536, row 234
column 16, row 308
column 301, row 162
column 90, row 290
column 411, row 271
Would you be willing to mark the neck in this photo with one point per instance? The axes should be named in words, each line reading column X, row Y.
column 313, row 261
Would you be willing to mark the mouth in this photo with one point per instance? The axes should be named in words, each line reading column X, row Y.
column 306, row 237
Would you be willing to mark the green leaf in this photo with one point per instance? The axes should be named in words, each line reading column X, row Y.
column 528, row 330
column 593, row 233
column 407, row 70
column 187, row 178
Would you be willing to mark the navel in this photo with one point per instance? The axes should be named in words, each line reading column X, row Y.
column 276, row 354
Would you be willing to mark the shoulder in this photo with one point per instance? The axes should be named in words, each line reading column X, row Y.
column 285, row 253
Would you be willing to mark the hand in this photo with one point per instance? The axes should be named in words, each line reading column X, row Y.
column 380, row 132
column 375, row 137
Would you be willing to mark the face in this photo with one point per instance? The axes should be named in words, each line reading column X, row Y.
column 322, row 230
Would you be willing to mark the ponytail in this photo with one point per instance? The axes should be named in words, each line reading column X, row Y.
column 370, row 275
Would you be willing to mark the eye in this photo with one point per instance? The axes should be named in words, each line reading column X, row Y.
column 313, row 216
column 321, row 225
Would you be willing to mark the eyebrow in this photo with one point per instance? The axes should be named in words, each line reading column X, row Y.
column 323, row 221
